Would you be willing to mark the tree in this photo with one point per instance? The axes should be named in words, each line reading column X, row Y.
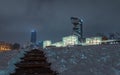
column 16, row 46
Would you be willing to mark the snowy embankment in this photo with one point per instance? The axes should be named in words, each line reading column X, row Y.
column 85, row 60
column 8, row 59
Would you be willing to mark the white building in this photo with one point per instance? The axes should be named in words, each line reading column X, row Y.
column 67, row 41
column 70, row 40
column 47, row 43
column 93, row 41
column 73, row 40
column 58, row 44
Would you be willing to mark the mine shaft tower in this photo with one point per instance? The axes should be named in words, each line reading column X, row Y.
column 78, row 27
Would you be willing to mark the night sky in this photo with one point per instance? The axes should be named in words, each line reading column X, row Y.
column 51, row 18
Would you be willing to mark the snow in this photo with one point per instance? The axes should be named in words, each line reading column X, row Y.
column 85, row 60
column 8, row 59
column 5, row 57
column 76, row 60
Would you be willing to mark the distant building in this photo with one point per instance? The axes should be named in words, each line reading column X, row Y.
column 70, row 40
column 93, row 41
column 47, row 43
column 67, row 41
column 33, row 36
column 74, row 40
column 5, row 46
column 58, row 44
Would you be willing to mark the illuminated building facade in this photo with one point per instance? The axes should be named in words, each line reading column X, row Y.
column 73, row 40
column 70, row 40
column 66, row 41
column 47, row 43
column 5, row 46
column 93, row 41
column 58, row 44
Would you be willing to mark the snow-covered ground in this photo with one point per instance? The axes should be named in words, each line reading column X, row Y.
column 78, row 60
column 85, row 60
column 8, row 59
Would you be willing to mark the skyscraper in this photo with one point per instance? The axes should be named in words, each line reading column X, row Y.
column 33, row 36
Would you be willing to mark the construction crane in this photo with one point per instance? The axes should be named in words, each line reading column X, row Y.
column 78, row 27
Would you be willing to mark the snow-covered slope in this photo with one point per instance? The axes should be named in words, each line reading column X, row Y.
column 5, row 57
column 8, row 59
column 78, row 60
column 85, row 60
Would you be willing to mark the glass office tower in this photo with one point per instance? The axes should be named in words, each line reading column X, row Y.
column 33, row 36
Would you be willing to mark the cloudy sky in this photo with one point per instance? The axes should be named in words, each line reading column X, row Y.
column 51, row 18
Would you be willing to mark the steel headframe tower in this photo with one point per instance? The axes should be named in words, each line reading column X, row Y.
column 78, row 27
